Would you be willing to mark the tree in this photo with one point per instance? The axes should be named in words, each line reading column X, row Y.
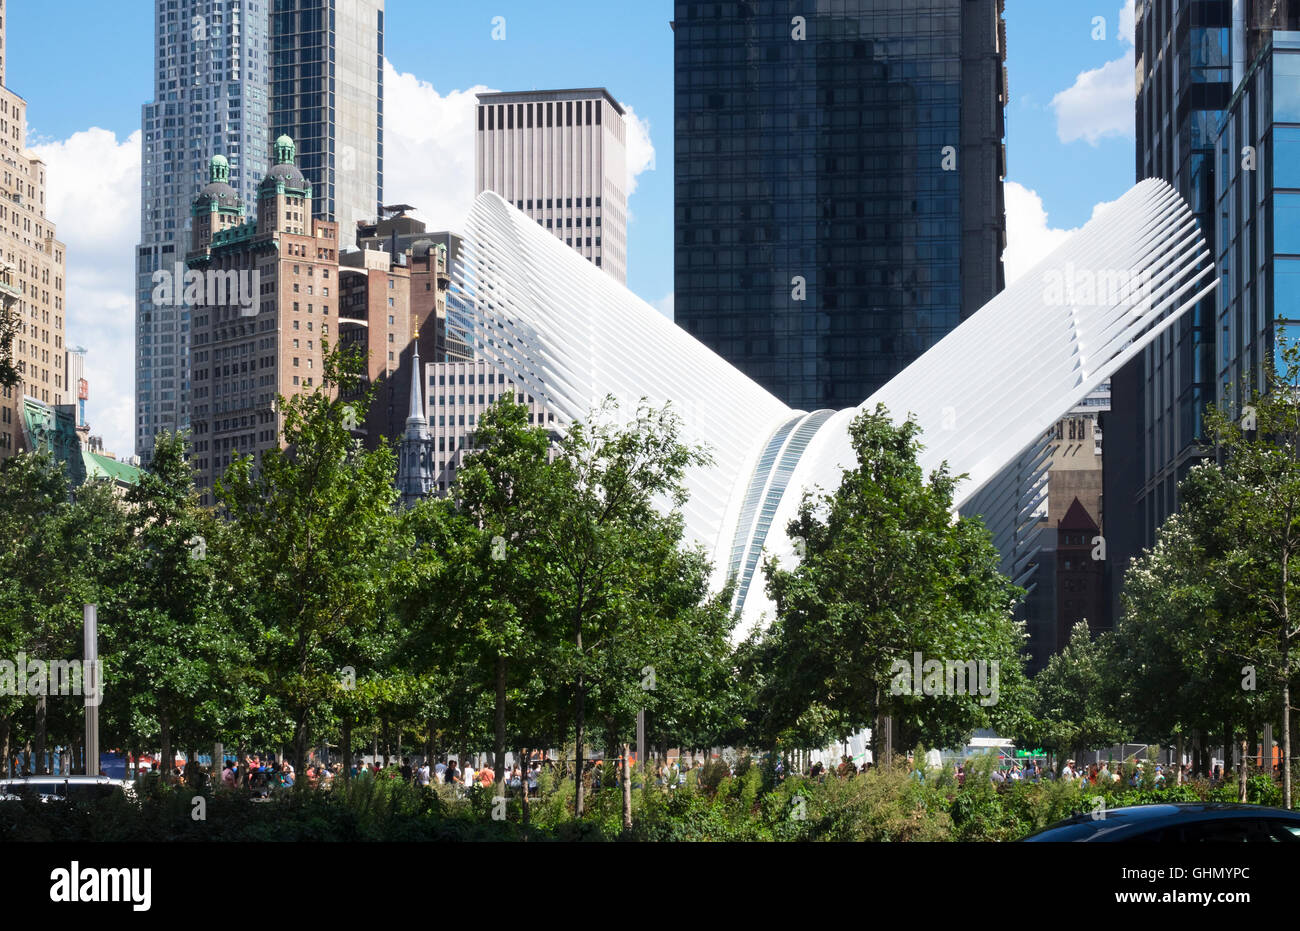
column 501, row 490
column 1069, row 711
column 1243, row 513
column 604, row 536
column 887, row 574
column 180, row 659
column 318, row 527
column 1171, row 676
column 58, row 551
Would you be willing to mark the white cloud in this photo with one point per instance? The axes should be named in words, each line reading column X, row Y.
column 1100, row 101
column 665, row 305
column 640, row 150
column 1030, row 238
column 1127, row 22
column 1098, row 104
column 429, row 148
column 93, row 197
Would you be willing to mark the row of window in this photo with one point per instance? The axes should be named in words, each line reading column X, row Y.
column 505, row 116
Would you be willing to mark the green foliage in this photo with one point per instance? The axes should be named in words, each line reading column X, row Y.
column 1069, row 710
column 886, row 573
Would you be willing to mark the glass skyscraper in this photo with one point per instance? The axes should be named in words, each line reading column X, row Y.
column 1203, row 68
column 1258, row 212
column 327, row 94
column 838, row 172
column 209, row 98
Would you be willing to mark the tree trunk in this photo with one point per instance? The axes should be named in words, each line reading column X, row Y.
column 627, row 787
column 579, row 722
column 499, row 742
column 524, row 770
column 1286, row 741
column 1241, row 775
column 165, row 738
column 300, row 742
column 1178, row 778
column 346, row 740
column 387, row 739
column 40, row 736
column 241, row 758
column 4, row 746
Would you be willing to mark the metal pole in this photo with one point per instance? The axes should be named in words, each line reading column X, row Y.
column 92, row 688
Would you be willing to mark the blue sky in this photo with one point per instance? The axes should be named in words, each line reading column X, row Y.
column 1069, row 130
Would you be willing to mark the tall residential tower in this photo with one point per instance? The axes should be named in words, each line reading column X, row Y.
column 209, row 96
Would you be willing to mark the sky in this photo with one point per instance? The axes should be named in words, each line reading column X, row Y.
column 1069, row 131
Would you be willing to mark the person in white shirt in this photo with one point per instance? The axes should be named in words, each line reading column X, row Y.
column 422, row 775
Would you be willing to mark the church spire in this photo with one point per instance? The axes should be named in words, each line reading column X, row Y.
column 416, row 476
column 415, row 415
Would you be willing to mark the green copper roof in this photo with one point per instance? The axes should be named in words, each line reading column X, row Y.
column 284, row 151
column 98, row 466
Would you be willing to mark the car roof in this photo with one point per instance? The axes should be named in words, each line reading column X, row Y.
column 1133, row 818
column 22, row 780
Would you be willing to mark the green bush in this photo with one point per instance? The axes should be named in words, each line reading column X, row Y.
column 885, row 804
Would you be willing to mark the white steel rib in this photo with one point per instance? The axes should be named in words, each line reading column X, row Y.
column 984, row 395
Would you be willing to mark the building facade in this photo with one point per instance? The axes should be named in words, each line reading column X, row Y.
column 1192, row 62
column 246, row 352
column 1063, row 589
column 815, row 249
column 327, row 94
column 33, row 283
column 560, row 156
column 438, row 438
column 438, row 316
column 1257, row 203
column 210, row 72
column 375, row 318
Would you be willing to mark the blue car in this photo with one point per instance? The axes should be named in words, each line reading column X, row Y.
column 1181, row 823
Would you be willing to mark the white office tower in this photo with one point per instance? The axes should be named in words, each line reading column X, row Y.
column 560, row 157
column 210, row 61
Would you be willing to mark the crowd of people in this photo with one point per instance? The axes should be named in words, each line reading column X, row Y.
column 267, row 774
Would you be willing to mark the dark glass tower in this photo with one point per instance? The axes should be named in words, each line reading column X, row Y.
column 838, row 172
column 327, row 94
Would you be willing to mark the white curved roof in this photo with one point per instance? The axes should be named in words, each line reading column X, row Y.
column 983, row 395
